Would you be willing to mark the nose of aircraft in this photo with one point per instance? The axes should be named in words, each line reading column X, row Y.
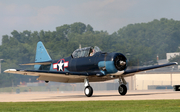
column 122, row 63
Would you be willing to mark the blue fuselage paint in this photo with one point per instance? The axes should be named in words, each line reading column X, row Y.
column 109, row 65
column 87, row 64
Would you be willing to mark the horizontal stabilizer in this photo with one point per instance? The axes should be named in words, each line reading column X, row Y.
column 39, row 63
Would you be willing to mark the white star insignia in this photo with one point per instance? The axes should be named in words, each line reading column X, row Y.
column 60, row 66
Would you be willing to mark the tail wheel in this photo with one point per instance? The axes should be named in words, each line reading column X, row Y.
column 88, row 91
column 122, row 89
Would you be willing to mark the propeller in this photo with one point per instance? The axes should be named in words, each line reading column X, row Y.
column 120, row 62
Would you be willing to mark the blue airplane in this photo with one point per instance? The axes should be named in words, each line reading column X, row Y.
column 86, row 65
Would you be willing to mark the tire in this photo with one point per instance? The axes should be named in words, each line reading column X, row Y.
column 88, row 91
column 122, row 89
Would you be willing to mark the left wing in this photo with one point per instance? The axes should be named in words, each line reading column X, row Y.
column 58, row 76
column 133, row 71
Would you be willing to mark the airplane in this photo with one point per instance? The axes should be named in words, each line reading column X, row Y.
column 86, row 65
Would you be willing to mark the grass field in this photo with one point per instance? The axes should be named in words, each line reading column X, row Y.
column 91, row 106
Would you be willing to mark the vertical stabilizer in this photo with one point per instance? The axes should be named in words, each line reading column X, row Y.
column 41, row 54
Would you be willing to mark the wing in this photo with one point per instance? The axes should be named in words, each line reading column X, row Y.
column 59, row 76
column 71, row 77
column 133, row 71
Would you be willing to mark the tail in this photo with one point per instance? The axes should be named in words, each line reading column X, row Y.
column 41, row 55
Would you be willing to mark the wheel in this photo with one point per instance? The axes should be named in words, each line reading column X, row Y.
column 46, row 81
column 122, row 89
column 88, row 91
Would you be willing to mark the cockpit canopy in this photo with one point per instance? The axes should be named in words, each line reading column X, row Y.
column 85, row 52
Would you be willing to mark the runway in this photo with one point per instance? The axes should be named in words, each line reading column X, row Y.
column 97, row 95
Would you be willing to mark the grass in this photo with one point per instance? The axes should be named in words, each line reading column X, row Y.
column 93, row 106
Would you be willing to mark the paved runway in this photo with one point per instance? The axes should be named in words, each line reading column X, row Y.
column 79, row 96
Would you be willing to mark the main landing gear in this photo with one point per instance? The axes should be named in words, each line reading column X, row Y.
column 122, row 89
column 88, row 91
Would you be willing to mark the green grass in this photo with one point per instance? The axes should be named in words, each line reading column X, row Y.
column 91, row 106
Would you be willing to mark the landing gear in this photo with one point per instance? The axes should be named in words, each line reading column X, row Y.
column 88, row 91
column 122, row 89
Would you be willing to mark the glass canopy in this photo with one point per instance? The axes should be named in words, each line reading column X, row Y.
column 85, row 52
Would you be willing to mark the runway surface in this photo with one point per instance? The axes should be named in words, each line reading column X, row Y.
column 79, row 96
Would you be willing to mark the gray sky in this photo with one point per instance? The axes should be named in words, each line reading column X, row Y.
column 107, row 15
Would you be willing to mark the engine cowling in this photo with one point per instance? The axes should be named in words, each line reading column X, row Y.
column 120, row 62
column 113, row 62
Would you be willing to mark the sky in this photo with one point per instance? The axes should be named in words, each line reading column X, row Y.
column 106, row 15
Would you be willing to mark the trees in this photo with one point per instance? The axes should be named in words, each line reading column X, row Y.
column 78, row 28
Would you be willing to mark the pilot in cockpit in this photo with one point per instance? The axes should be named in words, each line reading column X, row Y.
column 92, row 52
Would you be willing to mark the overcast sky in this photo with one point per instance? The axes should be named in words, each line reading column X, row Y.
column 107, row 15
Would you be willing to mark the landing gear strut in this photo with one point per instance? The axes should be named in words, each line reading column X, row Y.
column 122, row 89
column 88, row 91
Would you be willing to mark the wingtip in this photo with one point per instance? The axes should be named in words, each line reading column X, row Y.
column 176, row 63
column 9, row 70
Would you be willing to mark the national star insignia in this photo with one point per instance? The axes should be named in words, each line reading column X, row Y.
column 60, row 66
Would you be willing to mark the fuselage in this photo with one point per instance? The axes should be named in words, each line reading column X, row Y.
column 105, row 63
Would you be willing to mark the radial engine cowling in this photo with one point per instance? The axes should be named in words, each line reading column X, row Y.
column 120, row 62
column 113, row 62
